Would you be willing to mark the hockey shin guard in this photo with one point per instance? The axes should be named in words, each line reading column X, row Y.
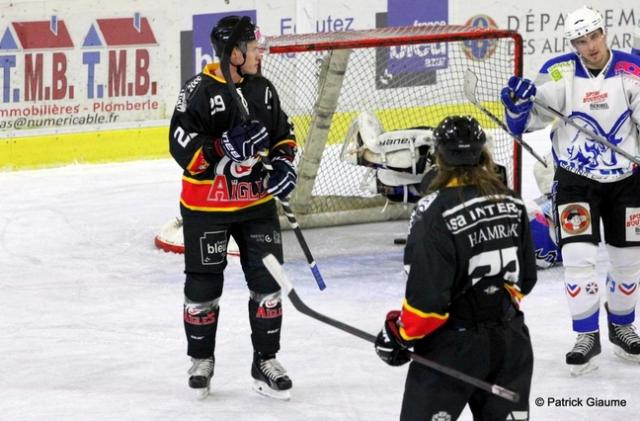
column 265, row 316
column 623, row 284
column 581, row 285
column 200, row 325
column 581, row 289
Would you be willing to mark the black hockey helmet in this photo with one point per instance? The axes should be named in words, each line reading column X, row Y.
column 224, row 28
column 459, row 141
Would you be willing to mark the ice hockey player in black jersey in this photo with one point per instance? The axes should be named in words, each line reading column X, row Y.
column 470, row 261
column 226, row 193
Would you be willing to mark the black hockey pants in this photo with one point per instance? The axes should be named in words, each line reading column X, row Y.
column 498, row 352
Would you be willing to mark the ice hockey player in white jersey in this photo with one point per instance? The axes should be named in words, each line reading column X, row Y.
column 599, row 88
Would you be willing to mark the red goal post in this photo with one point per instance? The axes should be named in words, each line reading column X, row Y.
column 408, row 76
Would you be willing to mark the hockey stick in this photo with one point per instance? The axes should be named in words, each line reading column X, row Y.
column 226, row 61
column 280, row 276
column 303, row 244
column 470, row 86
column 224, row 66
column 593, row 135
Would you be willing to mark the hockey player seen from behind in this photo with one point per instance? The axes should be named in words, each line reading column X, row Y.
column 598, row 88
column 226, row 192
column 470, row 261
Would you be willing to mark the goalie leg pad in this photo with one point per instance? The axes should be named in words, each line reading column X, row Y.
column 401, row 150
column 170, row 238
column 364, row 130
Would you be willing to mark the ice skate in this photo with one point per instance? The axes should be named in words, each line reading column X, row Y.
column 201, row 372
column 581, row 358
column 270, row 378
column 626, row 342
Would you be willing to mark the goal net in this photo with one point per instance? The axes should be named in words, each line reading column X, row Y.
column 408, row 77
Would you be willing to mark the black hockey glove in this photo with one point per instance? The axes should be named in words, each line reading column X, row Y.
column 282, row 180
column 244, row 141
column 389, row 346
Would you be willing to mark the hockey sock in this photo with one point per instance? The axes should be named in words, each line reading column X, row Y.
column 200, row 325
column 581, row 289
column 265, row 316
column 623, row 284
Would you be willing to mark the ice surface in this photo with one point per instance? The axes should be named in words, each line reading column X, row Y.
column 91, row 314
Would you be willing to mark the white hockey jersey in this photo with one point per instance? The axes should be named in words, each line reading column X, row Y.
column 636, row 40
column 608, row 104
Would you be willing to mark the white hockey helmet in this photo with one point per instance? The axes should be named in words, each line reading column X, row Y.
column 581, row 22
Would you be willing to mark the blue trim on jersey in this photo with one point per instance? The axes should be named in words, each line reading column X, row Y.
column 588, row 324
column 565, row 57
column 622, row 319
column 580, row 71
column 613, row 70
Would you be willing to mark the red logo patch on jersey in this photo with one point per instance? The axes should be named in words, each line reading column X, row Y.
column 575, row 219
column 595, row 96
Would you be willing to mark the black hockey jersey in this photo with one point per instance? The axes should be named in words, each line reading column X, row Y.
column 211, row 182
column 459, row 241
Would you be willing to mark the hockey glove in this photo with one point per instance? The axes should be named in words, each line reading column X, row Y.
column 517, row 98
column 389, row 346
column 244, row 141
column 282, row 180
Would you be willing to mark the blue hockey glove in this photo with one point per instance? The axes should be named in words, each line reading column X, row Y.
column 389, row 346
column 282, row 180
column 244, row 141
column 517, row 98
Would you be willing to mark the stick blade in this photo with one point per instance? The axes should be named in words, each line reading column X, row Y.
column 505, row 393
column 470, row 85
column 277, row 271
